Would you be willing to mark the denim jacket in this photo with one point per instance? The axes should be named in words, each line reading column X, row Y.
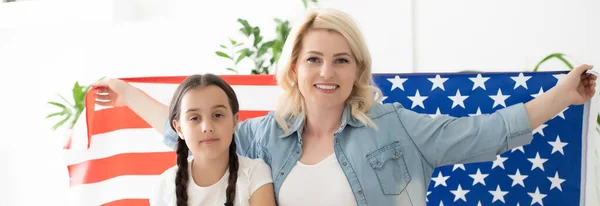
column 392, row 166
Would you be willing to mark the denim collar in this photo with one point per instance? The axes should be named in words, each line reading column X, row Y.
column 297, row 123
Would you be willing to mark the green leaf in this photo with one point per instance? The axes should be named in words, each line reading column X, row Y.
column 257, row 37
column 598, row 119
column 223, row 46
column 305, row 3
column 63, row 98
column 247, row 52
column 233, row 42
column 264, row 48
column 559, row 56
column 246, row 29
column 58, row 104
column 243, row 51
column 230, row 69
column 242, row 56
column 469, row 71
column 222, row 54
column 57, row 125
column 55, row 114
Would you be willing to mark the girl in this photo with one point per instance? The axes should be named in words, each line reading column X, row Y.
column 330, row 143
column 214, row 174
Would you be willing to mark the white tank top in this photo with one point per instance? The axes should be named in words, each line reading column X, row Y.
column 323, row 183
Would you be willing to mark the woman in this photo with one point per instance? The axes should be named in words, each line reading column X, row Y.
column 215, row 175
column 329, row 142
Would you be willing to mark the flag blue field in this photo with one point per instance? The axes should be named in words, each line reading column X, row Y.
column 546, row 172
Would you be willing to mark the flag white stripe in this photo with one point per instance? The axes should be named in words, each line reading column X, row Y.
column 118, row 188
column 251, row 97
column 118, row 142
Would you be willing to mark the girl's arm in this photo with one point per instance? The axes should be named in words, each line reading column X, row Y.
column 264, row 195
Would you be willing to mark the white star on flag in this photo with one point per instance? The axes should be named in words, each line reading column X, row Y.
column 536, row 197
column 397, row 82
column 417, row 100
column 557, row 146
column 459, row 193
column 498, row 194
column 479, row 81
column 537, row 162
column 561, row 114
column 440, row 180
column 518, row 148
column 499, row 99
column 521, row 80
column 458, row 99
column 476, row 113
column 518, row 178
column 499, row 162
column 478, row 177
column 438, row 82
column 427, row 199
column 382, row 98
column 437, row 113
column 556, row 181
column 539, row 93
column 457, row 166
column 540, row 129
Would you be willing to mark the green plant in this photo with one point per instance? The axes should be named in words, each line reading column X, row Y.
column 559, row 56
column 264, row 54
column 70, row 112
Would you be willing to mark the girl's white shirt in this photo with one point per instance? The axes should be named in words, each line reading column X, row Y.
column 252, row 174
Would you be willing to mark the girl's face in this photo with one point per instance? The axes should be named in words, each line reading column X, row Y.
column 326, row 69
column 206, row 122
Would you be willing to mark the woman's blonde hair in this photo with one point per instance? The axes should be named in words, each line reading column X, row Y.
column 291, row 103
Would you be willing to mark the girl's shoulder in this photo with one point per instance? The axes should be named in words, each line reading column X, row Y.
column 254, row 173
column 249, row 165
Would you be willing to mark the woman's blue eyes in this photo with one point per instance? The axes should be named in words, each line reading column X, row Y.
column 314, row 59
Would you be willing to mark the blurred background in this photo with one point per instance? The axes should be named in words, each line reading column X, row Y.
column 54, row 48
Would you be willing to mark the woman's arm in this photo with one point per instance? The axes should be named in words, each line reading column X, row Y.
column 448, row 140
column 576, row 88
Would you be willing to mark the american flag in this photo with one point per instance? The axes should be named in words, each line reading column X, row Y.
column 114, row 157
column 545, row 172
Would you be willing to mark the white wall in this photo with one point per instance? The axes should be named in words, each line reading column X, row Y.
column 57, row 42
column 504, row 35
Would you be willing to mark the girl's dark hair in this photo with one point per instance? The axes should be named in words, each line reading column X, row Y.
column 182, row 177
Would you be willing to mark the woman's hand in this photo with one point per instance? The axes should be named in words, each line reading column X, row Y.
column 578, row 87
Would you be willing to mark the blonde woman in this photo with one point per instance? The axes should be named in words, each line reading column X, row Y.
column 329, row 142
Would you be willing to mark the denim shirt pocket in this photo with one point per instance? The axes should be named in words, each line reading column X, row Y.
column 390, row 168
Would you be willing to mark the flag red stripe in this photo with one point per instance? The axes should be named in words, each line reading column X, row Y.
column 129, row 202
column 97, row 170
column 230, row 79
column 117, row 118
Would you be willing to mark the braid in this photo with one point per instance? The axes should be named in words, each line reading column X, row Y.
column 233, row 174
column 183, row 176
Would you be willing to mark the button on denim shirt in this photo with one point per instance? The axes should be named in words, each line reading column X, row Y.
column 392, row 165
